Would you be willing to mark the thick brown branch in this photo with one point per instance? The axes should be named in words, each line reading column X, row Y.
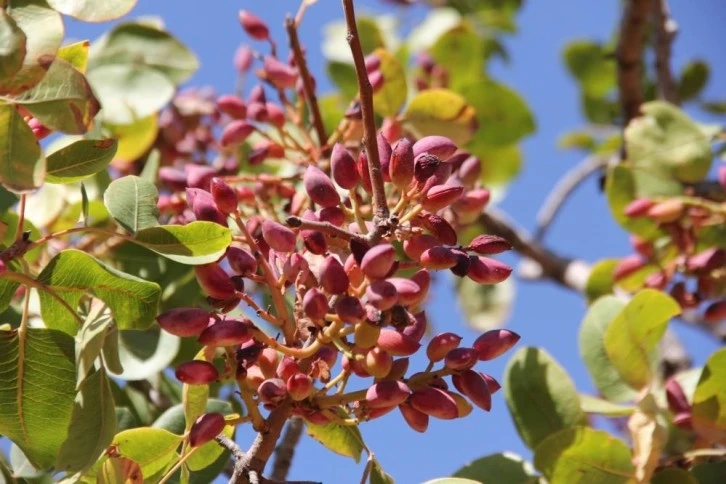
column 308, row 87
column 665, row 32
column 286, row 449
column 380, row 205
column 629, row 57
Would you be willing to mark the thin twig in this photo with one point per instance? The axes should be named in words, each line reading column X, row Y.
column 307, row 81
column 665, row 31
column 380, row 204
column 629, row 57
column 563, row 189
column 285, row 450
column 327, row 227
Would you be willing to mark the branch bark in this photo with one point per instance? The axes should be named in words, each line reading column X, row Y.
column 629, row 57
column 286, row 449
column 665, row 31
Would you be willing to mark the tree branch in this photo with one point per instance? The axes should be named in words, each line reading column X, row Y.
column 380, row 205
column 563, row 189
column 665, row 31
column 286, row 449
column 629, row 54
column 291, row 25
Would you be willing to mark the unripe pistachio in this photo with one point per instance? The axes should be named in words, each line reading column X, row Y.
column 332, row 215
column 472, row 202
column 707, row 260
column 253, row 25
column 470, row 170
column 409, row 292
column 196, row 372
column 214, row 281
column 226, row 332
column 280, row 75
column 463, row 406
column 488, row 271
column 366, row 335
column 275, row 115
column 299, row 386
column 257, row 111
column 666, row 211
column 253, row 378
column 638, row 207
column 232, row 105
column 677, row 400
column 685, row 298
column 463, row 263
column 236, row 132
column 376, row 80
column 387, row 393
column 424, row 166
column 438, row 258
column 494, row 343
column 206, row 428
column 684, row 421
column 343, row 167
column 378, row 363
column 241, row 261
column 434, row 403
column 461, row 358
column 417, row 329
column 352, row 269
column 439, row 146
column 372, row 63
column 333, row 277
column 382, row 295
column 287, row 368
column 173, row 178
column 272, row 391
column 715, row 312
column 224, row 196
column 349, row 309
column 628, row 266
column 183, row 322
column 363, row 170
column 391, row 129
column 401, row 166
column 642, row 246
column 378, row 261
column 243, row 59
column 320, row 188
column 489, row 245
column 278, row 237
column 721, row 176
column 657, row 280
column 418, row 421
column 39, row 130
column 418, row 244
column 205, row 209
column 315, row 303
column 492, row 384
column 397, row 343
column 441, row 344
column 441, row 175
column 475, row 387
column 355, row 366
column 384, row 155
column 439, row 228
column 267, row 361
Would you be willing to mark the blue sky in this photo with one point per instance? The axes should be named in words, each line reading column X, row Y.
column 545, row 315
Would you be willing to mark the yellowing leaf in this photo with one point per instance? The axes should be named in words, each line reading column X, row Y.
column 134, row 139
column 76, row 54
column 441, row 112
column 392, row 94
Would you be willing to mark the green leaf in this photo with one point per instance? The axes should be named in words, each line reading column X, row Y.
column 389, row 98
column 498, row 468
column 134, row 139
column 79, row 160
column 195, row 398
column 500, row 164
column 673, row 475
column 694, row 77
column 590, row 404
column 710, row 472
column 709, row 399
column 110, row 352
column 37, row 390
column 195, row 243
column 485, row 306
column 43, row 29
column 592, row 349
column 12, row 46
column 147, row 47
column 72, row 273
column 581, row 140
column 90, row 340
column 632, row 337
column 131, row 200
column 378, row 475
column 461, row 52
column 345, row 440
column 451, row 480
column 599, row 110
column 600, row 282
column 152, row 448
column 343, row 76
column 76, row 54
column 590, row 64
column 371, row 37
column 93, row 10
column 442, row 112
column 92, row 425
column 22, row 165
column 144, row 354
column 666, row 142
column 541, row 396
column 622, row 188
column 584, row 455
column 62, row 100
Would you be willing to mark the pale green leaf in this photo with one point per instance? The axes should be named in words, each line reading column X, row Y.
column 590, row 63
column 378, row 475
column 441, row 112
column 582, row 455
column 92, row 425
column 709, row 399
column 144, row 354
column 22, row 165
column 131, row 200
column 90, row 340
column 540, row 395
column 12, row 46
column 37, row 390
column 345, row 440
column 451, row 480
column 195, row 243
column 485, row 306
column 694, row 77
column 152, row 448
column 499, row 468
column 592, row 349
column 93, row 10
column 461, row 52
column 600, row 281
column 79, row 160
column 72, row 273
column 590, row 404
column 633, row 336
